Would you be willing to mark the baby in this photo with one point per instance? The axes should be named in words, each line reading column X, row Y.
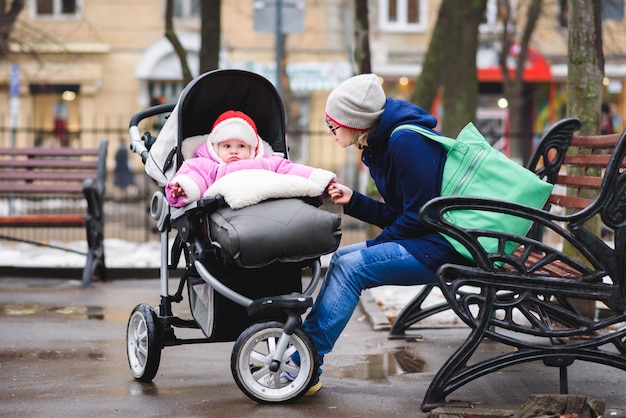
column 233, row 145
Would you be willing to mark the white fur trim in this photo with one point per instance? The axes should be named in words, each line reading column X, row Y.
column 247, row 187
column 189, row 186
column 322, row 177
column 234, row 128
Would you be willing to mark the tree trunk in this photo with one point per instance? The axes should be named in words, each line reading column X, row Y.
column 292, row 108
column 429, row 81
column 585, row 71
column 210, row 34
column 514, row 87
column 362, row 55
column 459, row 78
column 450, row 63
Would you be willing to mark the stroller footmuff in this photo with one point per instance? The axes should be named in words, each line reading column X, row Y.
column 243, row 265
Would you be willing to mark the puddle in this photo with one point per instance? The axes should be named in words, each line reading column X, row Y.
column 380, row 366
column 73, row 312
column 137, row 388
column 51, row 355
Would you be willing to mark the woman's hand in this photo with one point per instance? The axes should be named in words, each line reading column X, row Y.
column 339, row 194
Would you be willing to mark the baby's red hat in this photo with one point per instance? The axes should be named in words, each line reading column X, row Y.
column 234, row 124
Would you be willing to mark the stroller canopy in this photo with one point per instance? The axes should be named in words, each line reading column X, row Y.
column 200, row 104
column 215, row 92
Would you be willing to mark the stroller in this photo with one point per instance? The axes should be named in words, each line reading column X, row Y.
column 259, row 304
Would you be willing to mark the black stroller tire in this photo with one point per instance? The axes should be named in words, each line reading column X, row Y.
column 251, row 358
column 143, row 345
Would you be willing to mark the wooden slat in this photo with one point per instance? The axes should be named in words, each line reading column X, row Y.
column 43, row 220
column 50, row 163
column 588, row 160
column 56, row 164
column 47, row 175
column 571, row 202
column 554, row 269
column 594, row 160
column 595, row 141
column 41, row 151
column 579, row 181
column 41, row 188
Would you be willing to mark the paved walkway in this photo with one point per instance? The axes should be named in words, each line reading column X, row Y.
column 62, row 354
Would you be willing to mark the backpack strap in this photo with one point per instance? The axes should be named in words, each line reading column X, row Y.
column 443, row 140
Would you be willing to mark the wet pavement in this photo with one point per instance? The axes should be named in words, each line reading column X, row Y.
column 62, row 354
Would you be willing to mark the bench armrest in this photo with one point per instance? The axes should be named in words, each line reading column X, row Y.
column 432, row 214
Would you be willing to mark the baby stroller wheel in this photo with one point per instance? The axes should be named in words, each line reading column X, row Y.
column 143, row 345
column 251, row 358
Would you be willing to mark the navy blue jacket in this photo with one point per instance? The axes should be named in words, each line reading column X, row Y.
column 407, row 170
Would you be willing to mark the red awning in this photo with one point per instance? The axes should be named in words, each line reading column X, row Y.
column 536, row 68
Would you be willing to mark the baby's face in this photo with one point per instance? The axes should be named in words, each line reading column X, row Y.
column 233, row 150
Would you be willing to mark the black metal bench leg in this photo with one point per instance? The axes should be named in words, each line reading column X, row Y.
column 407, row 315
column 94, row 265
column 88, row 270
column 563, row 380
column 451, row 375
column 94, row 227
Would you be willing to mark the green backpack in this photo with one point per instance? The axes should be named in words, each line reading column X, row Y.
column 474, row 168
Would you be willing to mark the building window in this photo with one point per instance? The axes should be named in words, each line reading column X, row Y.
column 609, row 10
column 56, row 9
column 186, row 8
column 497, row 13
column 613, row 10
column 162, row 91
column 403, row 15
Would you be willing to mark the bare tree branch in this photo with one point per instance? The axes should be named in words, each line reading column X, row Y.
column 170, row 34
column 8, row 17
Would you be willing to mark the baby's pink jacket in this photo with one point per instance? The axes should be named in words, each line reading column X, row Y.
column 197, row 174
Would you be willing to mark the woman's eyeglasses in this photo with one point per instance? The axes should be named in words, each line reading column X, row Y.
column 331, row 127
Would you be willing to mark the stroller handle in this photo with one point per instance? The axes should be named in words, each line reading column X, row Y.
column 137, row 141
column 149, row 112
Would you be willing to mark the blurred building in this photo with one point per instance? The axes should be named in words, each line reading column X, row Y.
column 86, row 66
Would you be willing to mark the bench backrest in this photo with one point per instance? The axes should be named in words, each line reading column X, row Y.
column 591, row 182
column 584, row 168
column 51, row 171
column 578, row 165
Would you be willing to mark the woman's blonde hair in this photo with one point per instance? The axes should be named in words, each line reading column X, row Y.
column 359, row 137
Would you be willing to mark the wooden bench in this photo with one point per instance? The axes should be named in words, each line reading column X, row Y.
column 38, row 174
column 546, row 161
column 530, row 300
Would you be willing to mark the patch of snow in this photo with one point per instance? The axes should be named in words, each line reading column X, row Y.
column 391, row 300
column 118, row 254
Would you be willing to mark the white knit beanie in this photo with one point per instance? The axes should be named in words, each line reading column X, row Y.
column 357, row 103
column 234, row 124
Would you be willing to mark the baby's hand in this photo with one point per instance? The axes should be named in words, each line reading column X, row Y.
column 177, row 191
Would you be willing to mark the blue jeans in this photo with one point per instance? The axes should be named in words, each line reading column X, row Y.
column 353, row 269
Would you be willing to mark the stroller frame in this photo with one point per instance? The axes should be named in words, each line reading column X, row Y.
column 275, row 319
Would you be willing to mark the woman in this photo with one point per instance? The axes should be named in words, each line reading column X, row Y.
column 407, row 169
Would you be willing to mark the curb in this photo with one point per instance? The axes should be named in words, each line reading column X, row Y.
column 375, row 315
